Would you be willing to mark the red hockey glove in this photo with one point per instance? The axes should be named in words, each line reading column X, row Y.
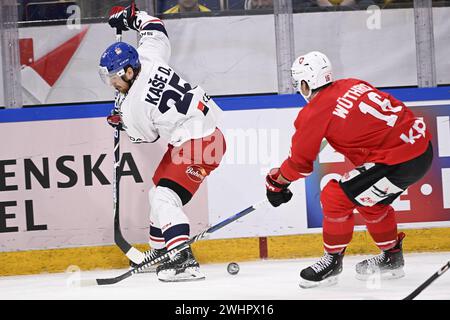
column 277, row 189
column 115, row 120
column 122, row 18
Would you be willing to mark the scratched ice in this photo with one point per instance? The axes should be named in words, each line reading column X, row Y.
column 257, row 280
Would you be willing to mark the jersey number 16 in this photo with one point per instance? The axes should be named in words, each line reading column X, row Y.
column 385, row 106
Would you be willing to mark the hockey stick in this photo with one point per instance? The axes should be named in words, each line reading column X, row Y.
column 166, row 256
column 424, row 285
column 131, row 252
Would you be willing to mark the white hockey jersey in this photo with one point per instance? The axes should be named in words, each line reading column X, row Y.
column 160, row 103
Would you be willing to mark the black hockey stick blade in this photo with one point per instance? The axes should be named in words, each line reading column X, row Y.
column 427, row 282
column 166, row 256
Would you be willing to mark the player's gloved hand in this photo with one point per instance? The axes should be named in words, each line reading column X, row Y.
column 277, row 188
column 115, row 120
column 122, row 18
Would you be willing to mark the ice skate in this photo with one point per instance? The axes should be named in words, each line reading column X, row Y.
column 389, row 264
column 323, row 273
column 149, row 255
column 182, row 267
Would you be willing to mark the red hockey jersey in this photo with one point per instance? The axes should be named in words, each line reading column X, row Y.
column 359, row 121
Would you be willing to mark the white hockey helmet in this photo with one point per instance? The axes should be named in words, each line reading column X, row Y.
column 314, row 68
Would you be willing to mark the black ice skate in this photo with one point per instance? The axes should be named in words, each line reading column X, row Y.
column 149, row 255
column 182, row 267
column 323, row 273
column 389, row 264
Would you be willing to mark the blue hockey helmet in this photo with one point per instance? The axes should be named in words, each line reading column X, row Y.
column 115, row 59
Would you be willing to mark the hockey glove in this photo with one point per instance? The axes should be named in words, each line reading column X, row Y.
column 277, row 192
column 122, row 18
column 115, row 120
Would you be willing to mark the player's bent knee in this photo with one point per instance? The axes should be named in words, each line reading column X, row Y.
column 331, row 187
column 166, row 205
column 376, row 214
column 162, row 196
column 331, row 193
column 334, row 200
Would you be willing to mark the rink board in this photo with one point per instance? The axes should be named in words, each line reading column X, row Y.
column 57, row 194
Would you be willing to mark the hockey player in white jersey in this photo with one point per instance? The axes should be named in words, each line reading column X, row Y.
column 157, row 103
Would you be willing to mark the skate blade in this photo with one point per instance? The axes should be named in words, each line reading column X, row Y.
column 182, row 279
column 384, row 275
column 306, row 284
column 188, row 275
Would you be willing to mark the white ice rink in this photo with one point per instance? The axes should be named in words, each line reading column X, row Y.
column 258, row 280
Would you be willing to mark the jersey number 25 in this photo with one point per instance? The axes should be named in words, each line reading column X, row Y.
column 179, row 94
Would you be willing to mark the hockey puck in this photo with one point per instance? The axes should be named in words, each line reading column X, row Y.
column 233, row 268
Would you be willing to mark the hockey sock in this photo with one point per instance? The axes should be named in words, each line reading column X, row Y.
column 156, row 238
column 338, row 220
column 337, row 233
column 166, row 209
column 381, row 224
column 175, row 235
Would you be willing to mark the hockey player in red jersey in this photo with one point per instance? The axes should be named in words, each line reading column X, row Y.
column 389, row 147
column 155, row 102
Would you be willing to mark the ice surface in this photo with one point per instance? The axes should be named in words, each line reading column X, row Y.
column 256, row 280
